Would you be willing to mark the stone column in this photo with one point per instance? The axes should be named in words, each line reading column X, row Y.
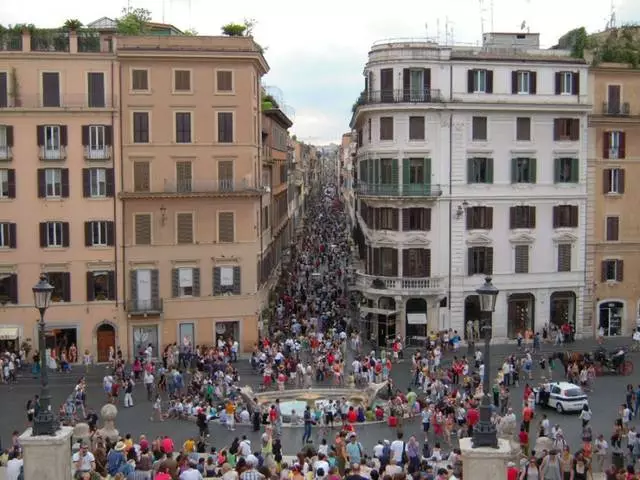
column 47, row 457
column 485, row 463
column 401, row 317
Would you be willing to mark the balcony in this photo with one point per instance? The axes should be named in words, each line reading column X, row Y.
column 52, row 154
column 11, row 42
column 399, row 285
column 5, row 152
column 152, row 306
column 616, row 109
column 208, row 186
column 402, row 190
column 66, row 101
column 49, row 41
column 400, row 96
column 93, row 153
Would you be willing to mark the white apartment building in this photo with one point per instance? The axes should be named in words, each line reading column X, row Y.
column 471, row 161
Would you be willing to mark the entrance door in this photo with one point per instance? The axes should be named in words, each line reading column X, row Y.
column 613, row 94
column 106, row 338
column 143, row 279
column 417, row 86
column 386, row 330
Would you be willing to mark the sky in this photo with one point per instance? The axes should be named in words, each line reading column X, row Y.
column 317, row 49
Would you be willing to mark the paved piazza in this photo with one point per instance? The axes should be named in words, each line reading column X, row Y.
column 604, row 401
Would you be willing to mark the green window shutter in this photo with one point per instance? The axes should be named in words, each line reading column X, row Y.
column 533, row 164
column 394, row 174
column 369, row 171
column 376, row 171
column 556, row 170
column 575, row 170
column 427, row 171
column 514, row 170
column 470, row 164
column 405, row 171
column 489, row 170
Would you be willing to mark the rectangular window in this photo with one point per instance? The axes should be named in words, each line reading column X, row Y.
column 55, row 234
column 386, row 218
column 140, row 80
column 523, row 129
column 184, row 282
column 4, row 90
column 8, row 235
column 614, row 145
column 386, row 128
column 225, row 127
column 141, row 177
column 521, row 253
column 564, row 257
column 50, row 89
column 226, row 227
column 567, row 170
column 224, row 81
column 184, row 228
column 183, row 127
column 566, row 83
column 53, row 182
column 612, row 271
column 182, row 81
column 479, row 129
column 101, row 286
column 142, row 228
column 612, row 226
column 523, row 82
column 480, row 261
column 566, row 129
column 97, row 139
column 61, row 283
column 480, row 170
column 416, row 219
column 416, row 262
column 95, row 90
column 565, row 216
column 522, row 217
column 479, row 218
column 225, row 175
column 417, row 174
column 613, row 180
column 98, row 182
column 51, row 139
column 479, row 81
column 523, row 170
column 99, row 234
column 140, row 127
column 416, row 128
column 4, row 183
column 184, row 176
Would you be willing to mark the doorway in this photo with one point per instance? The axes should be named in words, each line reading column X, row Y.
column 106, row 338
column 520, row 314
column 610, row 315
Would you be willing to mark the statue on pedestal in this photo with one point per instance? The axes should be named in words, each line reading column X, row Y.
column 108, row 414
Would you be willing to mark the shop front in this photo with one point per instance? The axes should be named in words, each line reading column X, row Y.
column 9, row 339
column 144, row 335
column 227, row 330
column 59, row 340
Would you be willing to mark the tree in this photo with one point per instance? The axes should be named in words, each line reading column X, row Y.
column 234, row 30
column 72, row 24
column 190, row 32
column 133, row 21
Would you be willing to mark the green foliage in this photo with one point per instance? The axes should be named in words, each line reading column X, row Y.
column 619, row 45
column 359, row 101
column 267, row 98
column 133, row 21
column 72, row 24
column 190, row 32
column 234, row 30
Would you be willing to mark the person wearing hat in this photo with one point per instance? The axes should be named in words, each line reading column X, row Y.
column 83, row 460
column 116, row 459
column 512, row 471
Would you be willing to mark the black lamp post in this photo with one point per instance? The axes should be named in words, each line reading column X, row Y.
column 484, row 434
column 45, row 422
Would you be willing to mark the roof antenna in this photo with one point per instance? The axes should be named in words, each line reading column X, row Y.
column 611, row 22
column 481, row 4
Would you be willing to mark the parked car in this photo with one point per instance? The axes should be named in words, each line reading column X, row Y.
column 562, row 396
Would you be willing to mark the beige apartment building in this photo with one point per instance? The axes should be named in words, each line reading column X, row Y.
column 191, row 188
column 59, row 144
column 613, row 224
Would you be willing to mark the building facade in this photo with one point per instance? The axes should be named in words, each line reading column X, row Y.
column 614, row 148
column 471, row 162
column 59, row 144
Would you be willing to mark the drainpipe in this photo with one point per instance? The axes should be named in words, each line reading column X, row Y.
column 450, row 192
column 123, row 223
column 115, row 199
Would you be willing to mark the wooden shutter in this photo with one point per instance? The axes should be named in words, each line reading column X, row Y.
column 9, row 134
column 606, row 180
column 470, row 170
column 66, row 286
column 405, row 263
column 42, row 183
column 376, row 171
column 427, row 262
column 86, row 183
column 11, row 183
column 406, row 84
column 427, row 171
column 406, row 220
column 470, row 78
column 576, row 83
column 556, row 216
column 489, row 217
column 85, row 137
column 111, row 281
column 514, row 170
column 603, row 271
column 63, row 135
column 489, row 261
column 195, row 287
column 575, row 170
column 532, row 217
column 111, row 233
column 40, row 135
column 606, row 144
column 406, row 172
column 13, row 235
column 556, row 129
column 512, row 217
column 470, row 265
column 91, row 294
column 470, row 214
column 574, row 215
column 155, row 286
column 622, row 145
column 558, row 83
column 514, row 82
column 65, row 234
column 619, row 270
column 175, row 282
column 395, row 219
column 133, row 284
column 108, row 135
column 13, row 288
column 226, row 227
column 88, row 240
column 376, row 260
column 533, row 83
column 394, row 174
column 427, row 81
column 427, row 218
column 142, row 229
column 64, row 183
column 237, row 281
column 621, row 180
column 184, row 228
column 110, row 187
column 489, row 81
column 489, row 170
column 217, row 276
column 533, row 168
column 43, row 235
column 574, row 133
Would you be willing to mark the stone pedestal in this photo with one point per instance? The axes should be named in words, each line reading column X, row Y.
column 485, row 463
column 47, row 457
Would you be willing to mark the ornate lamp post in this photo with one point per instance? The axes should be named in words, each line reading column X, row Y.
column 484, row 434
column 45, row 422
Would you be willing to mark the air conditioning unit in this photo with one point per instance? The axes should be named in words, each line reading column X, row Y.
column 613, row 153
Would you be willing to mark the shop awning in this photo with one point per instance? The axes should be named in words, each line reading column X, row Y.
column 377, row 311
column 8, row 333
column 417, row 318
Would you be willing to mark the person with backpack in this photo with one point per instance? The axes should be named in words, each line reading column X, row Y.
column 531, row 470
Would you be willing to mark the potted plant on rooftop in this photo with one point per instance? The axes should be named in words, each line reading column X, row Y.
column 72, row 24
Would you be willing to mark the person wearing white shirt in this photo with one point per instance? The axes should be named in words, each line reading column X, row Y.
column 397, row 448
column 377, row 449
column 83, row 459
column 13, row 467
column 245, row 447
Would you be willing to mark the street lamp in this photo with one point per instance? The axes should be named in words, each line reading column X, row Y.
column 484, row 434
column 45, row 422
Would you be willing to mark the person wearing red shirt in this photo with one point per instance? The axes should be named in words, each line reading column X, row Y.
column 473, row 417
column 523, row 436
column 512, row 471
column 351, row 415
column 527, row 416
column 167, row 445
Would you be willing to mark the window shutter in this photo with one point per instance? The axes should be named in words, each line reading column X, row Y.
column 40, row 135
column 13, row 235
column 376, row 260
column 469, row 214
column 603, row 271
column 606, row 144
column 556, row 217
column 108, row 135
column 514, row 170
column 237, row 281
column 394, row 219
column 622, row 145
column 514, row 82
column 574, row 134
column 512, row 217
column 63, row 135
column 606, row 180
column 66, row 286
column 155, row 284
column 532, row 217
column 576, row 83
column 85, row 135
column 621, row 180
column 13, row 288
column 175, row 282
column 470, row 75
column 427, row 81
column 489, row 217
column 427, row 218
column 489, row 262
column 489, row 170
column 65, row 234
column 575, row 220
column 195, row 276
column 111, row 241
column 427, row 263
column 558, row 83
column 619, row 270
column 556, row 170
column 113, row 290
column 470, row 269
column 556, row 129
column 42, row 183
column 394, row 173
column 489, row 81
column 110, row 182
column 470, row 170
column 11, row 183
column 533, row 85
column 64, row 184
column 575, row 170
column 9, row 133
column 90, row 287
column 88, row 241
column 43, row 235
column 405, row 171
column 376, row 171
column 217, row 288
column 533, row 165
column 405, row 263
column 427, row 172
column 86, row 182
column 133, row 284
column 406, row 84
